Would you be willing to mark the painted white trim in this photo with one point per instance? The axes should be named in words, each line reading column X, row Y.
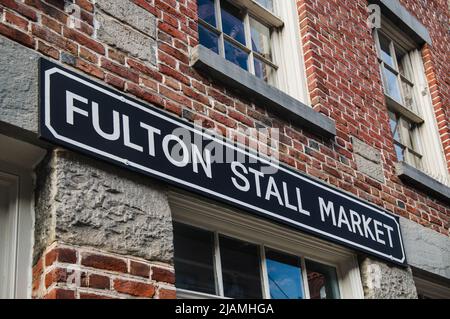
column 265, row 161
column 22, row 239
column 207, row 215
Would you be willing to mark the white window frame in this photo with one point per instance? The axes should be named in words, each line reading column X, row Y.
column 426, row 134
column 210, row 216
column 17, row 243
column 17, row 162
column 286, row 44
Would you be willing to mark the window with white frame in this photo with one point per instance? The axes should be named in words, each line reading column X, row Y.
column 259, row 36
column 412, row 120
column 222, row 254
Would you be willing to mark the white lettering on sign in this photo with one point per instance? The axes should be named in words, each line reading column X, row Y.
column 370, row 226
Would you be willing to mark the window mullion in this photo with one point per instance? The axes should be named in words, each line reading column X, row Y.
column 264, row 273
column 218, row 266
column 248, row 43
column 219, row 27
column 305, row 285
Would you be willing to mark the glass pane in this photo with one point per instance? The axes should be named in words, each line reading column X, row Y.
column 208, row 38
column 264, row 71
column 409, row 99
column 400, row 152
column 236, row 55
column 268, row 4
column 194, row 261
column 391, row 85
column 394, row 126
column 232, row 21
column 285, row 276
column 322, row 281
column 260, row 39
column 404, row 63
column 206, row 11
column 386, row 54
column 240, row 269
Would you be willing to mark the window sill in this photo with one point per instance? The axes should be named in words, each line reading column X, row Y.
column 233, row 76
column 407, row 113
column 422, row 181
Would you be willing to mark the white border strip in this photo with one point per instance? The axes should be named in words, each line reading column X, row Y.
column 124, row 99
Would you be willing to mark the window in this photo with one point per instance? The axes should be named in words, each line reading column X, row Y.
column 216, row 264
column 411, row 114
column 250, row 34
column 220, row 253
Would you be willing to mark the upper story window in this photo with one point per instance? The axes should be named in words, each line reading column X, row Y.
column 412, row 121
column 259, row 36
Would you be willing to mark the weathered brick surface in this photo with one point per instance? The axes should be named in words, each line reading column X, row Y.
column 98, row 275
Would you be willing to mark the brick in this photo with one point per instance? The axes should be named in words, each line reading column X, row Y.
column 145, row 95
column 58, row 293
column 90, row 69
column 115, row 81
column 163, row 275
column 57, row 275
column 16, row 20
column 104, row 262
column 62, row 255
column 20, row 8
column 139, row 269
column 120, row 70
column 17, row 35
column 99, row 282
column 48, row 50
column 134, row 288
column 84, row 40
column 167, row 294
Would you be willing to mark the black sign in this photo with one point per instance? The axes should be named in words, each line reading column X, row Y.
column 86, row 116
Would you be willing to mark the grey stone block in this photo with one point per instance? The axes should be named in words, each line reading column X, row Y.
column 382, row 281
column 398, row 14
column 18, row 85
column 87, row 203
column 426, row 249
column 125, row 38
column 254, row 88
column 422, row 181
column 368, row 160
column 129, row 13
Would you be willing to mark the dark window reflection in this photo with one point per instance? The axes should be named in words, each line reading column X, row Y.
column 208, row 39
column 194, row 259
column 240, row 269
column 285, row 275
column 232, row 21
column 322, row 281
column 236, row 55
column 206, row 11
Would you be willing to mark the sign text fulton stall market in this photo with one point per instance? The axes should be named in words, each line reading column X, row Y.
column 88, row 117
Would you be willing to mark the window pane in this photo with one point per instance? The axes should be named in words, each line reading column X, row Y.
column 232, row 21
column 260, row 39
column 194, row 263
column 208, row 38
column 386, row 55
column 285, row 275
column 236, row 55
column 206, row 11
column 240, row 269
column 322, row 281
column 409, row 99
column 391, row 85
column 268, row 4
column 264, row 71
column 404, row 63
column 394, row 126
column 400, row 152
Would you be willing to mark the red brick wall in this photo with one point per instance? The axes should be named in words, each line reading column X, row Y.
column 67, row 272
column 342, row 73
